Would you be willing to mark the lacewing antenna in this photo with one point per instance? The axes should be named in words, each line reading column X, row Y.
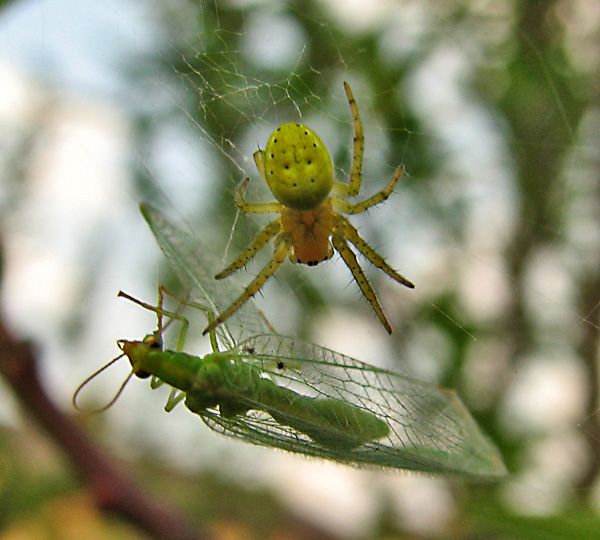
column 94, row 375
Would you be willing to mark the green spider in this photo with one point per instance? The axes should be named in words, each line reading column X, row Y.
column 299, row 172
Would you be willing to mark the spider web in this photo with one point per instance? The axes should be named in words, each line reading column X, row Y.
column 453, row 226
column 226, row 78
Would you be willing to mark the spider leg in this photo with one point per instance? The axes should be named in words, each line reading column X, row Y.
column 350, row 208
column 258, row 243
column 279, row 256
column 253, row 208
column 341, row 246
column 210, row 315
column 352, row 235
column 340, row 189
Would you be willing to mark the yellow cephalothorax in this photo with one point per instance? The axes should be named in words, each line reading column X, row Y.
column 298, row 170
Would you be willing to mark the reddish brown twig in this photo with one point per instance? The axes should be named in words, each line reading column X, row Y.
column 111, row 488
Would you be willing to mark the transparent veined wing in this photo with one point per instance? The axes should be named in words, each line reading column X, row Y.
column 428, row 428
column 196, row 266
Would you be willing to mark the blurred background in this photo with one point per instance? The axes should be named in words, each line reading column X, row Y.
column 493, row 107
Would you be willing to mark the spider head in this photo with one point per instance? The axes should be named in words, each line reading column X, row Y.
column 296, row 166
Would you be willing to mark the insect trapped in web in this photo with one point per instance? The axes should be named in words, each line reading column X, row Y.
column 299, row 172
column 281, row 392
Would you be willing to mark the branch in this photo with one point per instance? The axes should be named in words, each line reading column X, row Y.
column 111, row 489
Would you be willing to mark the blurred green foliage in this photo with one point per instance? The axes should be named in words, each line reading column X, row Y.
column 524, row 71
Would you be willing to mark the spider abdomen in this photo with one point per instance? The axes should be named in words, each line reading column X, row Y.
column 309, row 231
column 297, row 167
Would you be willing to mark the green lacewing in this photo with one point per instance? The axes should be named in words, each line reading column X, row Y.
column 285, row 393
